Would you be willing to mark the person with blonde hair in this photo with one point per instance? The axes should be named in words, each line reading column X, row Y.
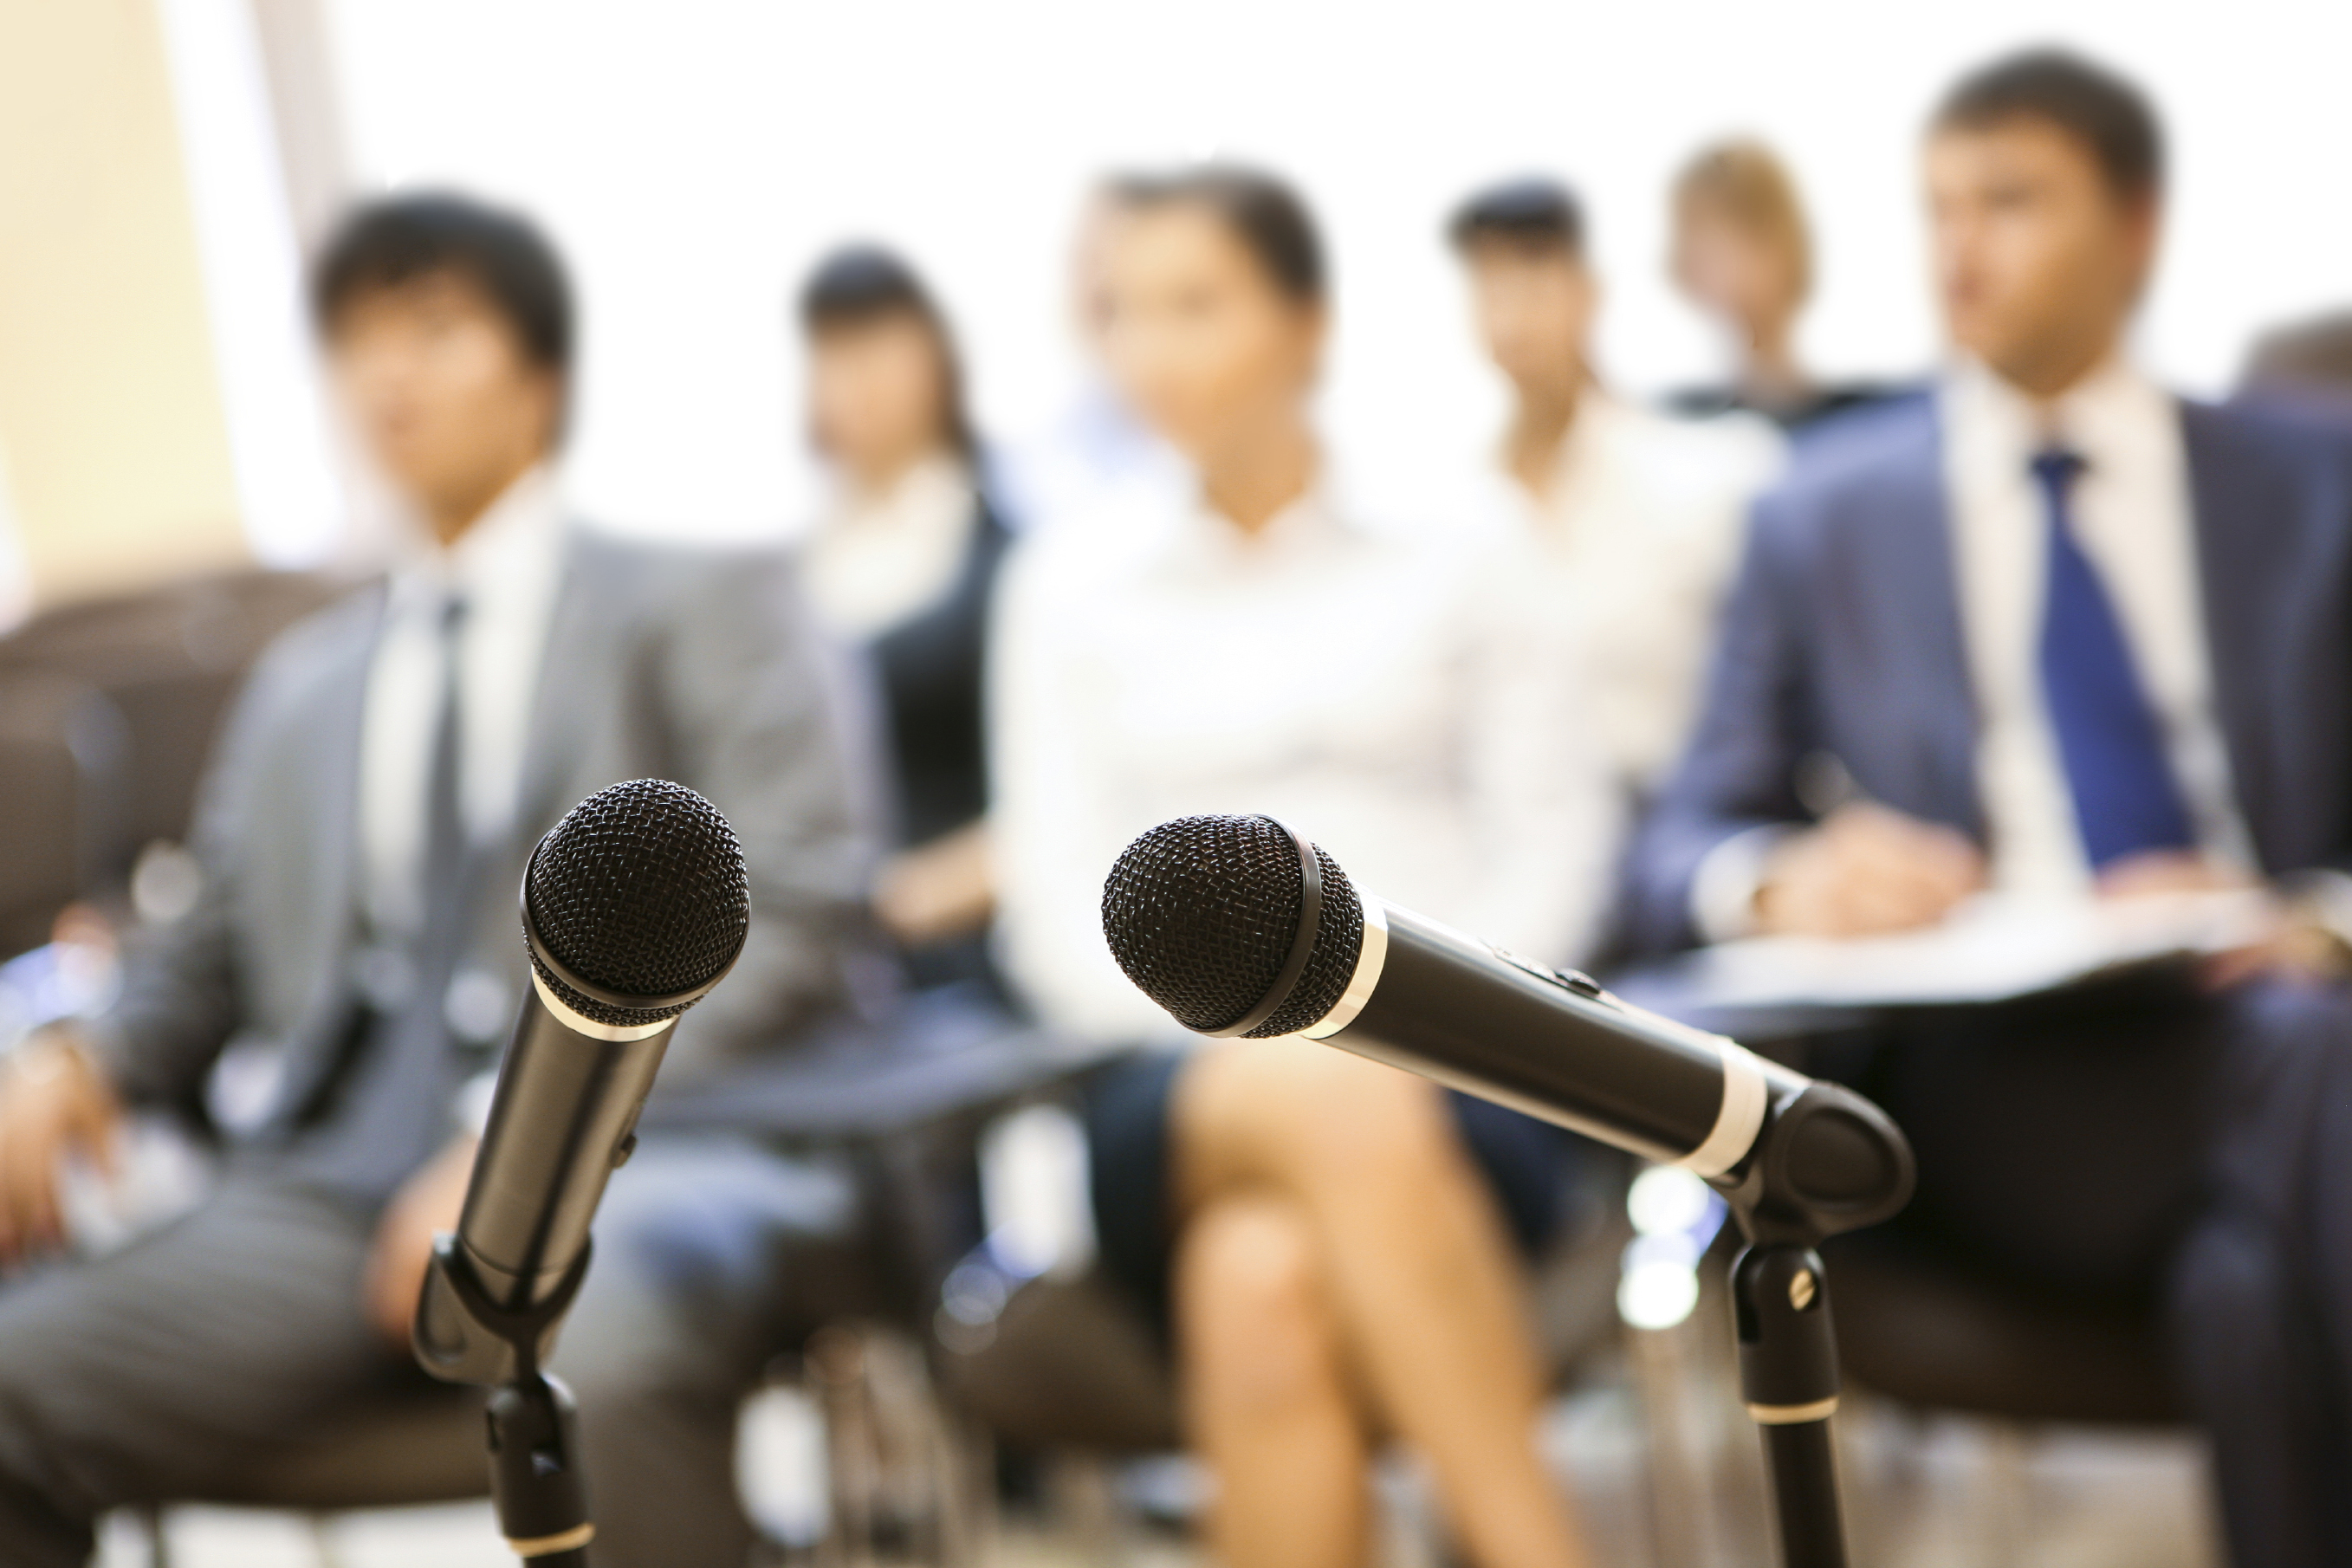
column 1743, row 254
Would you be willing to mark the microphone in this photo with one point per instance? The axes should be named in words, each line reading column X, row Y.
column 1240, row 927
column 633, row 907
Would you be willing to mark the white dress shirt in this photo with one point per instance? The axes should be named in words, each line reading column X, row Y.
column 1640, row 527
column 1403, row 699
column 874, row 560
column 2132, row 515
column 506, row 569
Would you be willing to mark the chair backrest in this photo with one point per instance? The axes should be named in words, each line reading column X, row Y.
column 1926, row 1331
column 107, row 715
column 61, row 778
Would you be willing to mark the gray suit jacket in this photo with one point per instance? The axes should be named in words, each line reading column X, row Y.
column 701, row 668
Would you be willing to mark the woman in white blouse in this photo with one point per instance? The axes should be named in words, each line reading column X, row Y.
column 1332, row 1238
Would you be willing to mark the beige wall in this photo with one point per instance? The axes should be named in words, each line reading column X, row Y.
column 110, row 416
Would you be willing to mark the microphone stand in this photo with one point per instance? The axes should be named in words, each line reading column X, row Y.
column 1798, row 1187
column 534, row 1439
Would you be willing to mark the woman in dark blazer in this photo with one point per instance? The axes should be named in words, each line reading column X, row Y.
column 902, row 562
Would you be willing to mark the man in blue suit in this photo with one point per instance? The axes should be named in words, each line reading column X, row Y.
column 2050, row 630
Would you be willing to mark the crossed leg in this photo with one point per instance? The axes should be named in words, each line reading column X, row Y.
column 1340, row 1272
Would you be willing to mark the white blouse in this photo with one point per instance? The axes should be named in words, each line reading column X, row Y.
column 1405, row 699
column 874, row 560
column 1639, row 531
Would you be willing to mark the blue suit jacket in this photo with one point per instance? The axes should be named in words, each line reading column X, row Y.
column 1843, row 637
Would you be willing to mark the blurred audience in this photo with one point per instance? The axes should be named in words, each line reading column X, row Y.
column 2054, row 631
column 1636, row 516
column 2042, row 629
column 1333, row 1238
column 365, row 822
column 1743, row 254
column 903, row 563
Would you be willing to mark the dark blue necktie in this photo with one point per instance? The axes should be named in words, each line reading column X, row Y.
column 2126, row 798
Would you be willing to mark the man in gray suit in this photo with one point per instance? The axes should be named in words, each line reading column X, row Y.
column 338, row 997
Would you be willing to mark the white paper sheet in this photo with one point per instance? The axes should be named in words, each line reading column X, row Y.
column 1990, row 949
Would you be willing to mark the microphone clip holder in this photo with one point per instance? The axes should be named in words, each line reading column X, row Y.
column 533, row 1429
column 1827, row 1161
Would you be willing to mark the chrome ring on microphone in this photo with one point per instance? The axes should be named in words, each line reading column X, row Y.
column 1370, row 959
column 1739, row 1117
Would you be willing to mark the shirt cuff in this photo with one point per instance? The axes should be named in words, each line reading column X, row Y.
column 2327, row 895
column 1724, row 887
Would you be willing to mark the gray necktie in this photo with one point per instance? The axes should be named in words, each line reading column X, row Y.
column 391, row 1109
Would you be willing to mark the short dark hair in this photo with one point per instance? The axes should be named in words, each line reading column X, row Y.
column 856, row 284
column 384, row 244
column 1260, row 209
column 2108, row 115
column 1533, row 211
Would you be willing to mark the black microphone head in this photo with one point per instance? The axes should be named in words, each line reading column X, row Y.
column 637, row 902
column 1201, row 914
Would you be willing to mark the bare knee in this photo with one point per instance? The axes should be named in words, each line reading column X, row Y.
column 1309, row 1120
column 1258, row 1328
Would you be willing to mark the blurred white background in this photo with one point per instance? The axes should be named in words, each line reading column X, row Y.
column 692, row 158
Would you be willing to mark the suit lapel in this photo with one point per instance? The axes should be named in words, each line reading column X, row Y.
column 1904, row 539
column 339, row 732
column 335, row 730
column 562, row 709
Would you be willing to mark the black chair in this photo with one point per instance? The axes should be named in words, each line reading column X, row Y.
column 166, row 662
column 417, row 1444
column 61, row 770
column 1925, row 1331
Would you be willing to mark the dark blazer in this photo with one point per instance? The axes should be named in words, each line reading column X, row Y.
column 930, row 666
column 701, row 668
column 1843, row 638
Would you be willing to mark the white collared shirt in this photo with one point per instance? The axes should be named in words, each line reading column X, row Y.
column 1403, row 698
column 2133, row 516
column 506, row 568
column 1640, row 528
column 874, row 560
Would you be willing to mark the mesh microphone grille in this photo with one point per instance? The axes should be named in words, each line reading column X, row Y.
column 639, row 890
column 1200, row 913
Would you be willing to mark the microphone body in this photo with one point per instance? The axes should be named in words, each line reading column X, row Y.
column 642, row 887
column 1548, row 1043
column 562, row 1119
column 1240, row 927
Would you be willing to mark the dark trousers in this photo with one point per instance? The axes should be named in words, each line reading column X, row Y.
column 2263, row 1290
column 2146, row 1142
column 156, row 1374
